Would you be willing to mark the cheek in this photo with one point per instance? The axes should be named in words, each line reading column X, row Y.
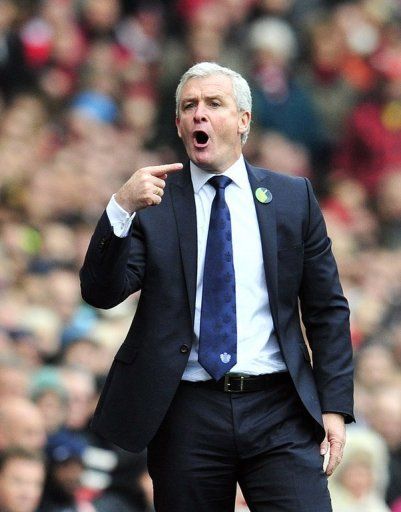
column 227, row 131
column 183, row 130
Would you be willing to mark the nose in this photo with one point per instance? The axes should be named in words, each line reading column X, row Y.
column 200, row 113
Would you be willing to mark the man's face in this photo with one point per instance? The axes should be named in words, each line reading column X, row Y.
column 28, row 432
column 21, row 484
column 68, row 475
column 209, row 122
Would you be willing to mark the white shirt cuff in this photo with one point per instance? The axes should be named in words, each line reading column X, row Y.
column 120, row 220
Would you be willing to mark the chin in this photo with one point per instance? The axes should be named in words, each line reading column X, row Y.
column 200, row 160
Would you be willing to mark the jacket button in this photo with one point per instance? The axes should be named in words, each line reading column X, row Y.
column 184, row 349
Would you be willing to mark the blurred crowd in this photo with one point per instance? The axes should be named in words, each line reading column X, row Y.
column 87, row 97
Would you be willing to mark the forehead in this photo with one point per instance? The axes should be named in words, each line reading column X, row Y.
column 217, row 84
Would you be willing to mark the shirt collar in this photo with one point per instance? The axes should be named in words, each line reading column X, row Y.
column 237, row 172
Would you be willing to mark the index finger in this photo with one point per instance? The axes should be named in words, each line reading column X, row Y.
column 159, row 170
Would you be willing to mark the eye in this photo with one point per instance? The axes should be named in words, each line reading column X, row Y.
column 215, row 103
column 187, row 106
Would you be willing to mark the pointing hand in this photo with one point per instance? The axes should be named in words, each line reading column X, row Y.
column 145, row 187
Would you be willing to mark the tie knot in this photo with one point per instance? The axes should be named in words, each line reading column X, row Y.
column 220, row 181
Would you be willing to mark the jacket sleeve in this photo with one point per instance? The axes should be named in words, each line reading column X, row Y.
column 325, row 314
column 113, row 267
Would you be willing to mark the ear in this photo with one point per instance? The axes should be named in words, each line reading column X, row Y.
column 177, row 124
column 243, row 121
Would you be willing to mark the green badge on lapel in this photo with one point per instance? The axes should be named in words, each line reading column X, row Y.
column 263, row 195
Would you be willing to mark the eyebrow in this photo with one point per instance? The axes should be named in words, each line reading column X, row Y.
column 208, row 97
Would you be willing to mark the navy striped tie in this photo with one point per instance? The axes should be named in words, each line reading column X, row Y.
column 218, row 324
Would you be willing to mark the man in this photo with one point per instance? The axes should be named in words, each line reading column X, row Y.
column 21, row 424
column 22, row 475
column 223, row 296
column 64, row 475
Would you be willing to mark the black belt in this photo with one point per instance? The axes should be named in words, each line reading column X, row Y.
column 239, row 383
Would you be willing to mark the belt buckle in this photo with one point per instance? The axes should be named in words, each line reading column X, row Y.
column 227, row 383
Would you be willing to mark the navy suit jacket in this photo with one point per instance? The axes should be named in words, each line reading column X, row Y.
column 160, row 259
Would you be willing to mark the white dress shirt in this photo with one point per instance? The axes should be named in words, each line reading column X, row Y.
column 257, row 347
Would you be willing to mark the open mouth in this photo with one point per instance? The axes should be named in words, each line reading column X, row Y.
column 201, row 138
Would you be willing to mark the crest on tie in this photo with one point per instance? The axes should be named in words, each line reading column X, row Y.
column 225, row 358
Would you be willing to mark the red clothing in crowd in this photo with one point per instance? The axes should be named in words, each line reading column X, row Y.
column 372, row 145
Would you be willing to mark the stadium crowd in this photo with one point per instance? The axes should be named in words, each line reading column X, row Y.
column 86, row 97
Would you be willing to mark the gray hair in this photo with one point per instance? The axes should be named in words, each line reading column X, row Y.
column 241, row 90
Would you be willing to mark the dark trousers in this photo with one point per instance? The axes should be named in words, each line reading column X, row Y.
column 264, row 440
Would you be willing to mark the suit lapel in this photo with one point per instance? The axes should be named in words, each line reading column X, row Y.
column 266, row 214
column 182, row 194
